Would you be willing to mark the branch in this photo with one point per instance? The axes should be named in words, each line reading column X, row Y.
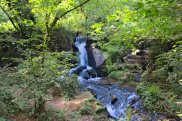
column 57, row 18
column 10, row 19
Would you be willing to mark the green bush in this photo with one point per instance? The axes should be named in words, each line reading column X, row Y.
column 6, row 100
column 67, row 86
column 7, row 97
column 33, row 81
column 4, row 119
column 169, row 67
column 151, row 94
column 88, row 107
column 155, row 48
column 122, row 76
column 156, row 100
column 56, row 115
column 115, row 54
column 167, row 72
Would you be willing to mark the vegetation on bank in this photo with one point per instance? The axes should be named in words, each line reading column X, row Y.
column 34, row 35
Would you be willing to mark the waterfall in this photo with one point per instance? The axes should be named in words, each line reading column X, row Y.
column 84, row 69
column 80, row 44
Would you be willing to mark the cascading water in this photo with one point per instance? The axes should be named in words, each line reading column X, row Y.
column 80, row 44
column 112, row 96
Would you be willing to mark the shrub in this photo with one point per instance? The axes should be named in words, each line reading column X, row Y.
column 167, row 72
column 56, row 115
column 33, row 80
column 7, row 99
column 169, row 67
column 122, row 76
column 156, row 100
column 4, row 119
column 67, row 85
column 88, row 107
column 151, row 94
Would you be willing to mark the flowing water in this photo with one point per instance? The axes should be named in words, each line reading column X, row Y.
column 113, row 97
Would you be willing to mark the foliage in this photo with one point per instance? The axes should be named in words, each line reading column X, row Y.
column 4, row 119
column 27, row 36
column 116, row 68
column 168, row 71
column 128, row 114
column 122, row 76
column 12, row 48
column 129, row 21
column 56, row 114
column 37, row 75
column 6, row 27
column 7, row 97
column 67, row 86
column 88, row 107
column 150, row 93
column 123, row 72
column 34, row 79
column 114, row 52
column 155, row 48
column 157, row 100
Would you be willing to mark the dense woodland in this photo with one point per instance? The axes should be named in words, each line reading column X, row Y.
column 36, row 40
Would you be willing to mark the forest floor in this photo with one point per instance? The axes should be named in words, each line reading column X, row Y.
column 73, row 106
column 68, row 107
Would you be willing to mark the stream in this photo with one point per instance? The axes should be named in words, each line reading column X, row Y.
column 112, row 96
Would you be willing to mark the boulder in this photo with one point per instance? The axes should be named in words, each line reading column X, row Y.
column 98, row 56
column 92, row 73
column 87, row 73
column 77, row 70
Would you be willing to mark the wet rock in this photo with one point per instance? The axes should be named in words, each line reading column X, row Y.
column 85, row 74
column 74, row 49
column 77, row 70
column 88, row 73
column 114, row 99
column 92, row 73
